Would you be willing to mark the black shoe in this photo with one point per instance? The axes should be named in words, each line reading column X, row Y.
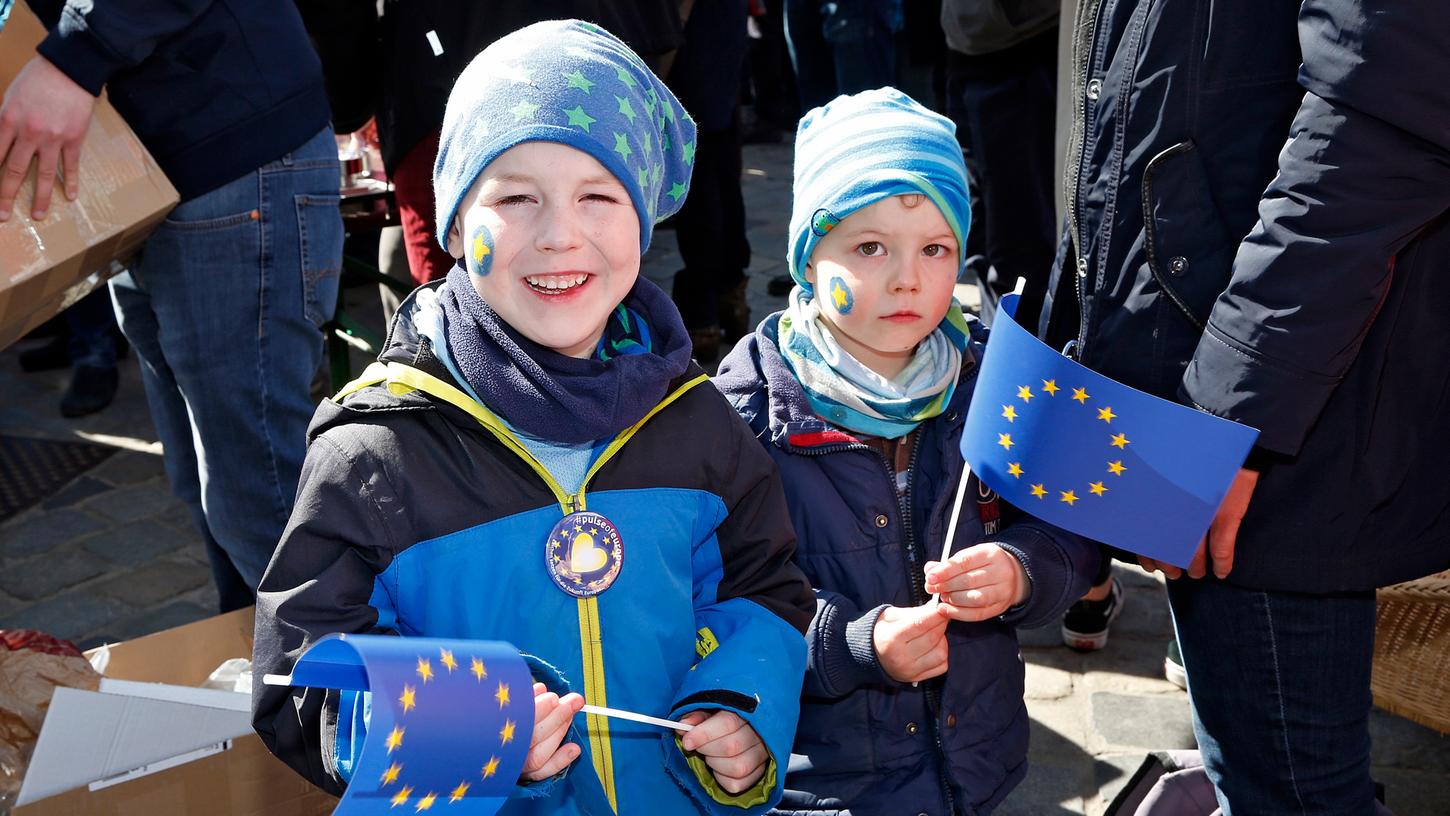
column 780, row 285
column 1085, row 626
column 706, row 344
column 91, row 389
column 734, row 313
column 54, row 354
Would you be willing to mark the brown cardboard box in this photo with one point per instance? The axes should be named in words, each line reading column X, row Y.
column 46, row 266
column 243, row 780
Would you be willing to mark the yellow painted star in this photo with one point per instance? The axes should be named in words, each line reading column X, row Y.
column 1015, row 469
column 1010, row 412
column 506, row 734
column 490, row 768
column 1097, row 488
column 425, row 669
column 1005, row 440
column 426, row 802
column 1050, row 386
column 458, row 792
column 480, row 249
column 1120, row 440
column 1024, row 393
column 502, row 695
column 447, row 660
column 1080, row 394
column 409, row 699
column 1106, row 414
column 1069, row 496
column 395, row 739
column 1039, row 491
column 478, row 669
column 1116, row 468
column 402, row 796
column 838, row 294
column 391, row 774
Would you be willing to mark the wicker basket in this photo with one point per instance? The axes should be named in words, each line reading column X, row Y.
column 1412, row 651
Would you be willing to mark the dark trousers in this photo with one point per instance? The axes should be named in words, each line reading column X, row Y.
column 1004, row 105
column 710, row 228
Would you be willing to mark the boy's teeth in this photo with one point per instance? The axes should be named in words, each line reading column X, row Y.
column 555, row 282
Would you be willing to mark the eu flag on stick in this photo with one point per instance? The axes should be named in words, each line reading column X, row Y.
column 450, row 721
column 1092, row 455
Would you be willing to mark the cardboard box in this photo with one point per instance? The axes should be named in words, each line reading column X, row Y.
column 151, row 742
column 48, row 265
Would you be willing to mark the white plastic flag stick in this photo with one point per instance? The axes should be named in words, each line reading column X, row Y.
column 946, row 546
column 286, row 680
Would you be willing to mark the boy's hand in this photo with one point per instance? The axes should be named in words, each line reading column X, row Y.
column 552, row 715
column 978, row 583
column 911, row 642
column 733, row 751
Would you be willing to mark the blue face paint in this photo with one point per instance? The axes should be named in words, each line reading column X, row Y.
column 841, row 297
column 480, row 251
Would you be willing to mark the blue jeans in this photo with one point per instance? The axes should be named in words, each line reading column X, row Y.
column 224, row 308
column 841, row 47
column 1280, row 690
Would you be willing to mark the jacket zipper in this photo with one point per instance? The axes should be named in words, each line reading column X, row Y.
column 1083, row 39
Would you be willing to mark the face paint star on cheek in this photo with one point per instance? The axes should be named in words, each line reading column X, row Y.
column 480, row 252
column 841, row 297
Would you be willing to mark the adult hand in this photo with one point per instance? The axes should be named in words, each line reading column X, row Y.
column 978, row 583
column 735, row 754
column 44, row 116
column 911, row 642
column 552, row 715
column 1218, row 544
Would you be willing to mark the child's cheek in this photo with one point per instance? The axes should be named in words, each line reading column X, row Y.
column 480, row 251
column 842, row 298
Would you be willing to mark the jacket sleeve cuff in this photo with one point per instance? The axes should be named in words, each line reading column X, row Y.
column 82, row 57
column 1227, row 380
column 845, row 651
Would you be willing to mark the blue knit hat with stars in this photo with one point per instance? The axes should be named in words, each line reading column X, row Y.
column 574, row 83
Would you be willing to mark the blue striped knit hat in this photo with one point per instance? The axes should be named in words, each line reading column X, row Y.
column 574, row 83
column 859, row 149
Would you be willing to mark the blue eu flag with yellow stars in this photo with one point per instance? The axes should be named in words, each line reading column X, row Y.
column 450, row 722
column 1091, row 455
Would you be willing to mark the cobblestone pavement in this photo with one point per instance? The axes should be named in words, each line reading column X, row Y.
column 112, row 556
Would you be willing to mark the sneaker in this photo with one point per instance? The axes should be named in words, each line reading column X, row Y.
column 1085, row 626
column 1173, row 666
column 91, row 389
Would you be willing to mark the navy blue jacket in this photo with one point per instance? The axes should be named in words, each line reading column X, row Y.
column 1325, row 326
column 867, row 743
column 213, row 88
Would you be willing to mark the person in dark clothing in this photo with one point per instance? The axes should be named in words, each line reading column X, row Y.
column 226, row 301
column 89, row 346
column 1311, row 329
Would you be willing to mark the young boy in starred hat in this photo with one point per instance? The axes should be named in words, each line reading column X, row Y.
column 536, row 459
column 859, row 391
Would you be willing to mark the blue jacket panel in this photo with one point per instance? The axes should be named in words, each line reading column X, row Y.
column 955, row 744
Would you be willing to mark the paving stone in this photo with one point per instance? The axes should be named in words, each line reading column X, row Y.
column 1400, row 743
column 1110, row 773
column 178, row 515
column 71, row 615
column 1151, row 723
column 133, row 502
column 8, row 607
column 153, row 583
column 79, row 490
column 39, row 531
column 1050, row 673
column 1048, row 790
column 156, row 620
column 134, row 544
column 1145, row 615
column 1415, row 793
column 1059, row 732
column 129, row 467
column 44, row 575
column 1130, row 667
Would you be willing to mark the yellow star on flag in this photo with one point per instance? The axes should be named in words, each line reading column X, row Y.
column 1050, row 386
column 1080, row 394
column 402, row 796
column 391, row 774
column 425, row 669
column 1120, row 440
column 1097, row 488
column 1005, row 440
column 1039, row 491
column 502, row 695
column 1069, row 496
column 1116, row 468
column 395, row 739
column 1010, row 412
column 426, row 802
column 1106, row 414
column 478, row 669
column 447, row 660
column 491, row 767
column 506, row 734
column 409, row 698
column 458, row 792
column 1015, row 469
column 1024, row 393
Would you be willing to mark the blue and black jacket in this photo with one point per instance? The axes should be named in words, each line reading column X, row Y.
column 419, row 513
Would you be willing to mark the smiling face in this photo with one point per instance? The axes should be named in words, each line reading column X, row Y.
column 883, row 277
column 552, row 241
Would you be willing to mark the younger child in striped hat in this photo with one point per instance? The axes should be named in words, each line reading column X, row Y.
column 859, row 391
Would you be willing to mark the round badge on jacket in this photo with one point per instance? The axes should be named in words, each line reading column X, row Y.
column 584, row 554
